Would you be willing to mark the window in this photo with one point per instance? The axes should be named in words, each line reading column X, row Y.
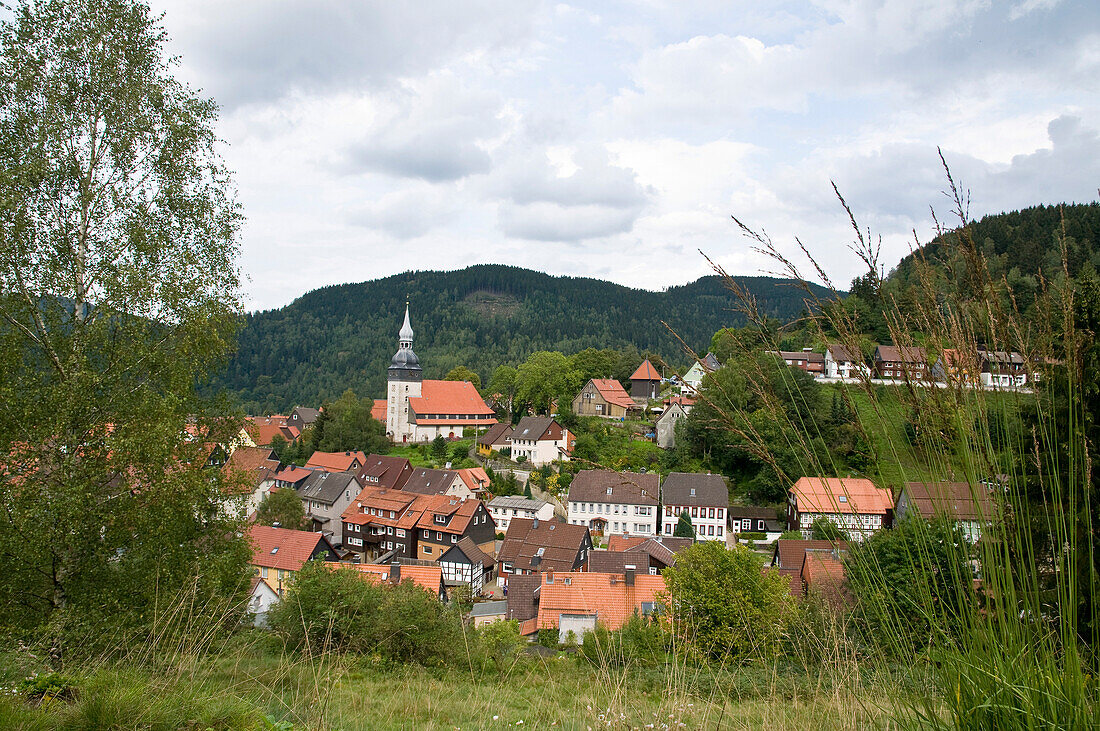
column 427, row 534
column 712, row 512
column 668, row 510
column 393, row 514
column 427, row 549
column 454, row 538
column 695, row 512
column 719, row 531
column 720, row 511
column 438, row 536
column 746, row 524
column 400, row 533
column 668, row 527
column 263, row 573
column 389, row 530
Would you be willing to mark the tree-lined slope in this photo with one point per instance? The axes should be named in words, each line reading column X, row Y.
column 343, row 336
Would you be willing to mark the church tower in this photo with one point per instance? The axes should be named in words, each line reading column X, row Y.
column 402, row 383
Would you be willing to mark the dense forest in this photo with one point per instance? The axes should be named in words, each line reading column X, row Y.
column 343, row 336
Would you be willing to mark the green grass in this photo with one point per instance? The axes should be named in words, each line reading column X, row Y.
column 253, row 686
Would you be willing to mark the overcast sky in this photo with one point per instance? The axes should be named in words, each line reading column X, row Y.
column 615, row 139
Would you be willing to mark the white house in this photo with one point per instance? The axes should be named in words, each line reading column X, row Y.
column 840, row 363
column 971, row 509
column 506, row 507
column 260, row 599
column 693, row 379
column 855, row 505
column 540, row 440
column 614, row 502
column 677, row 410
column 705, row 498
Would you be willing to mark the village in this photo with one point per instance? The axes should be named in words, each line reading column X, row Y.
column 594, row 554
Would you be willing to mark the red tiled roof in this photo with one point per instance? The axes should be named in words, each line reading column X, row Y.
column 450, row 398
column 264, row 429
column 528, row 627
column 954, row 499
column 293, row 474
column 646, row 372
column 789, row 553
column 474, row 477
column 282, row 548
column 405, row 506
column 682, row 400
column 256, row 463
column 560, row 544
column 426, row 577
column 336, row 461
column 378, row 410
column 841, row 495
column 823, row 574
column 622, row 542
column 606, row 595
column 613, row 392
column 461, row 512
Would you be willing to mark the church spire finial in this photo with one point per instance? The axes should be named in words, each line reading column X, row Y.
column 406, row 334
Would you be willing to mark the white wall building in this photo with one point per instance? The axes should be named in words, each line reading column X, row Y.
column 614, row 502
column 540, row 440
column 705, row 498
column 506, row 507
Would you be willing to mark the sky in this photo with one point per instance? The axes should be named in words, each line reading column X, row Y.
column 615, row 140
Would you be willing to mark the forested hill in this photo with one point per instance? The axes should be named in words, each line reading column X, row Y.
column 343, row 336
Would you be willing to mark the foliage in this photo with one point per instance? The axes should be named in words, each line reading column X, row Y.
column 48, row 686
column 684, row 528
column 724, row 605
column 284, row 507
column 791, row 535
column 439, row 447
column 336, row 609
column 547, row 637
column 543, row 378
column 346, row 424
column 462, row 373
column 824, row 529
column 118, row 292
column 501, row 641
column 639, row 642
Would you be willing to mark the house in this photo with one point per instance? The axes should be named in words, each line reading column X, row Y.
column 855, row 505
column 389, row 473
column 292, row 477
column 693, row 379
column 574, row 603
column 705, row 498
column 445, row 520
column 263, row 430
column 495, row 438
column 603, row 397
column 425, row 481
column 540, row 440
column 666, row 424
column 418, row 410
column 904, row 363
column 466, row 563
column 252, row 471
column 522, row 592
column 648, row 555
column 822, row 575
column 971, row 509
column 1000, row 369
column 476, row 480
column 645, row 384
column 428, row 578
column 506, row 507
column 337, row 461
column 804, row 360
column 614, row 502
column 488, row 612
column 789, row 554
column 279, row 553
column 533, row 546
column 325, row 496
column 746, row 518
column 957, row 367
column 381, row 522
column 303, row 416
column 261, row 598
column 841, row 362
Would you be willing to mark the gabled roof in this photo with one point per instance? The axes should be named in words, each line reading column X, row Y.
column 602, row 561
column 425, row 481
column 823, row 575
column 955, row 500
column 751, row 511
column 841, row 354
column 336, row 461
column 306, row 415
column 460, row 512
column 608, row 596
column 450, row 399
column 627, row 543
column 498, row 433
column 293, row 474
column 383, row 471
column 518, row 502
column 378, row 410
column 470, row 550
column 607, row 486
column 406, row 508
column 807, row 355
column 282, row 548
column 646, row 372
column 841, row 495
column 790, row 553
column 490, row 609
column 560, row 544
column 532, row 427
column 710, row 362
column 476, row 478
column 613, row 392
column 522, row 590
column 264, row 429
column 903, row 354
column 255, row 463
column 690, row 488
column 327, row 487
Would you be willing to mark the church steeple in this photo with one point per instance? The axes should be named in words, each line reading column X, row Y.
column 405, row 366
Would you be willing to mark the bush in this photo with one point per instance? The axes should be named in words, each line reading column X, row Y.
column 548, row 638
column 751, row 535
column 47, row 687
column 501, row 641
column 639, row 642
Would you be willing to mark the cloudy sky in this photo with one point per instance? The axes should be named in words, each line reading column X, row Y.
column 615, row 139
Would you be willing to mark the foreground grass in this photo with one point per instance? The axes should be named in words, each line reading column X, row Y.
column 253, row 686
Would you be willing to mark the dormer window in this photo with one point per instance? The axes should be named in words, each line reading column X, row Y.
column 843, row 498
column 693, row 492
column 609, row 491
column 274, row 550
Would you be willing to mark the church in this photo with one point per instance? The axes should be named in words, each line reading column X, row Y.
column 419, row 410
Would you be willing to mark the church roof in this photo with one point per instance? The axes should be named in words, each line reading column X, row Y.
column 406, row 328
column 449, row 399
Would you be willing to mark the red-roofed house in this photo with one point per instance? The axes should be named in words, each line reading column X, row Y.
column 855, row 505
column 337, row 461
column 253, row 469
column 576, row 602
column 378, row 410
column 279, row 553
column 428, row 578
column 264, row 429
column 645, row 384
column 603, row 397
column 475, row 478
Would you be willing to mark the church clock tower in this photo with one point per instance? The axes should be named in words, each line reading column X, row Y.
column 403, row 382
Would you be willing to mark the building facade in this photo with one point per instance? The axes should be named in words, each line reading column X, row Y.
column 605, row 501
column 705, row 499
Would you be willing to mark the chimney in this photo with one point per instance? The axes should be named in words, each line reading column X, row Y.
column 549, row 577
column 630, row 570
column 447, row 465
column 395, row 572
column 534, row 523
column 535, row 561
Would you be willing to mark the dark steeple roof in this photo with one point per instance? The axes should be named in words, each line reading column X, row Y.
column 405, row 366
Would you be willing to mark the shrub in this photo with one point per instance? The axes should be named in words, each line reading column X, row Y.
column 751, row 535
column 47, row 687
column 638, row 642
column 548, row 638
column 501, row 641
